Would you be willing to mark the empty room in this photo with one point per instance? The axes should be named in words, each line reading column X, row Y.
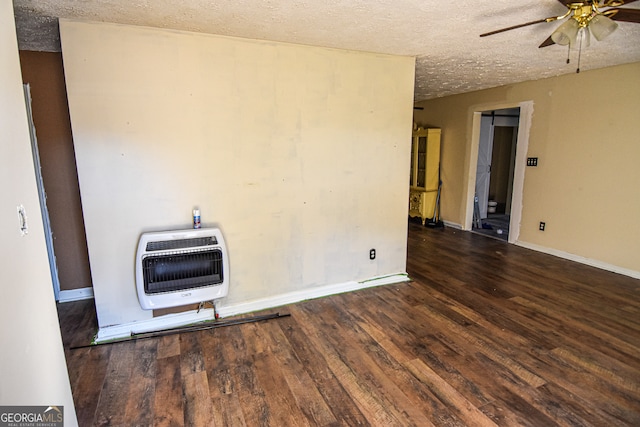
column 321, row 213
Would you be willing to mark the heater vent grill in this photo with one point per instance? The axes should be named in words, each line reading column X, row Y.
column 167, row 245
column 180, row 271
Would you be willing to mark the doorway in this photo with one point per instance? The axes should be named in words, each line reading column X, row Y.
column 496, row 170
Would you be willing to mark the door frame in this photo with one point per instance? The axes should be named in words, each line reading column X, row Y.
column 522, row 146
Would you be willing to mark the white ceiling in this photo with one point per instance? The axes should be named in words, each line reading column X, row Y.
column 444, row 37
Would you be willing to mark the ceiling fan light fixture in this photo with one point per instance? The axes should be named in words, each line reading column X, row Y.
column 601, row 26
column 583, row 38
column 566, row 33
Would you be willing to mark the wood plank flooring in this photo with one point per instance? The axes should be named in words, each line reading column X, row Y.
column 485, row 334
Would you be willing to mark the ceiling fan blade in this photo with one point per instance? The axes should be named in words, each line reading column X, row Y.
column 539, row 21
column 547, row 42
column 605, row 3
column 626, row 15
column 616, row 3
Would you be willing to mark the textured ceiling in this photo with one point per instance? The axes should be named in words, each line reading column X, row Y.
column 444, row 37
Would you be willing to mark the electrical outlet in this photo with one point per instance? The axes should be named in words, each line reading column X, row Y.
column 372, row 254
column 532, row 161
column 542, row 225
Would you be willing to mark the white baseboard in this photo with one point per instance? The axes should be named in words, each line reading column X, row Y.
column 453, row 225
column 125, row 330
column 168, row 321
column 75, row 294
column 582, row 260
column 307, row 294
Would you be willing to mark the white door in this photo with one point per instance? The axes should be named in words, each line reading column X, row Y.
column 483, row 173
column 48, row 235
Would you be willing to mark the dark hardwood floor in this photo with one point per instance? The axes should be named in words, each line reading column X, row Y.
column 486, row 333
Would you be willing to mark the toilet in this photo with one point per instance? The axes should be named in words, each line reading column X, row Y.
column 491, row 206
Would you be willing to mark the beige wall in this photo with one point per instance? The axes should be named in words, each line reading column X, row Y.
column 32, row 364
column 299, row 154
column 585, row 132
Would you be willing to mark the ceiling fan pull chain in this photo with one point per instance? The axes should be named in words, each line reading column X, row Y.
column 580, row 52
column 568, row 54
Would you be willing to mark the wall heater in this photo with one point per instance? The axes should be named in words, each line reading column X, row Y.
column 181, row 267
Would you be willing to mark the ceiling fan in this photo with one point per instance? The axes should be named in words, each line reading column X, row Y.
column 585, row 17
